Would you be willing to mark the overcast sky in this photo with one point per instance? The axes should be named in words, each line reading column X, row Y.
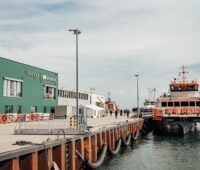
column 119, row 39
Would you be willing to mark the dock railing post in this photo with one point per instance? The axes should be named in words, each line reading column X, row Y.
column 138, row 105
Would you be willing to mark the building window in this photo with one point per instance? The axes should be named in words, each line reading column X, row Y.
column 49, row 92
column 52, row 110
column 9, row 109
column 68, row 94
column 33, row 109
column 164, row 104
column 12, row 88
column 177, row 104
column 74, row 95
column 170, row 104
column 86, row 96
column 192, row 103
column 45, row 109
column 184, row 104
column 19, row 109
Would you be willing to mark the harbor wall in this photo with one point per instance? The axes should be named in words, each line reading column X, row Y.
column 73, row 153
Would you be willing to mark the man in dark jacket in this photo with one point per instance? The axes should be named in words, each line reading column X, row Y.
column 116, row 113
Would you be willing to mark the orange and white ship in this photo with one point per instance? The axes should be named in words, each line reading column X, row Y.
column 177, row 111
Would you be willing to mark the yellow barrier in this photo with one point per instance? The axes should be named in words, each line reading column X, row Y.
column 75, row 123
column 71, row 123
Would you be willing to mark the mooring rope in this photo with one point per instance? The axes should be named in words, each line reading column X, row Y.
column 117, row 148
column 128, row 141
column 101, row 158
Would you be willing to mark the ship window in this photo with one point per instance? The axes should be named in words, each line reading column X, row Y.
column 184, row 88
column 198, row 104
column 170, row 104
column 191, row 88
column 164, row 104
column 184, row 103
column 176, row 88
column 192, row 103
column 176, row 104
column 172, row 88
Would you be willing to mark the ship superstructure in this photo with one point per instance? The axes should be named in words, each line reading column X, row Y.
column 180, row 108
column 149, row 104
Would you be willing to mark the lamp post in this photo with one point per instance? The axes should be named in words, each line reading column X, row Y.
column 76, row 32
column 138, row 109
column 154, row 94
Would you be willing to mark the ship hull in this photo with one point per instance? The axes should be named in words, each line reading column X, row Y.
column 172, row 128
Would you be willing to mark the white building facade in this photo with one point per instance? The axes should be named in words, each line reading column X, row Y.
column 93, row 105
column 96, row 108
column 68, row 97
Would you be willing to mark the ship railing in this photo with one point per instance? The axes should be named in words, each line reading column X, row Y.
column 183, row 111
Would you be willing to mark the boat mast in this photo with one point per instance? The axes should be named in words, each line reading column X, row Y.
column 183, row 73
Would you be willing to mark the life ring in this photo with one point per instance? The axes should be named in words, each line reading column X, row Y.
column 54, row 166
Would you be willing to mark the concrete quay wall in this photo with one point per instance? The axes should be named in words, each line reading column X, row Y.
column 73, row 153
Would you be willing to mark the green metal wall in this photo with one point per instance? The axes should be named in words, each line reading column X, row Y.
column 32, row 87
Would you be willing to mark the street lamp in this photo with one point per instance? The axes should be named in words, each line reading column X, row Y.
column 76, row 32
column 138, row 109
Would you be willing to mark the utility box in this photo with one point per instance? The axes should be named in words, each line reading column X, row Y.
column 64, row 111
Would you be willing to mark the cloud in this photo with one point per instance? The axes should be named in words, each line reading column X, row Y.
column 152, row 38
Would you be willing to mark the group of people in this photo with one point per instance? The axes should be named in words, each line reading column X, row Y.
column 125, row 112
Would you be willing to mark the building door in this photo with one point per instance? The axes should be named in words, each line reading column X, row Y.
column 8, row 109
column 45, row 109
column 19, row 109
column 52, row 110
column 33, row 109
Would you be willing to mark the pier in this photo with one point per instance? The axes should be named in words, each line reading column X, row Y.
column 67, row 152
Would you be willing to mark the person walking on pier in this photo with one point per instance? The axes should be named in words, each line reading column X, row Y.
column 121, row 112
column 111, row 113
column 116, row 113
column 128, row 113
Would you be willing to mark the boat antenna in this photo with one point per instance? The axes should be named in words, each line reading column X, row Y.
column 183, row 73
column 154, row 93
column 109, row 95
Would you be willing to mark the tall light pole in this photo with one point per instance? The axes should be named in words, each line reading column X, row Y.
column 154, row 94
column 76, row 32
column 138, row 109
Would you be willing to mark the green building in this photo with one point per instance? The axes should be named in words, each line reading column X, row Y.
column 26, row 89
